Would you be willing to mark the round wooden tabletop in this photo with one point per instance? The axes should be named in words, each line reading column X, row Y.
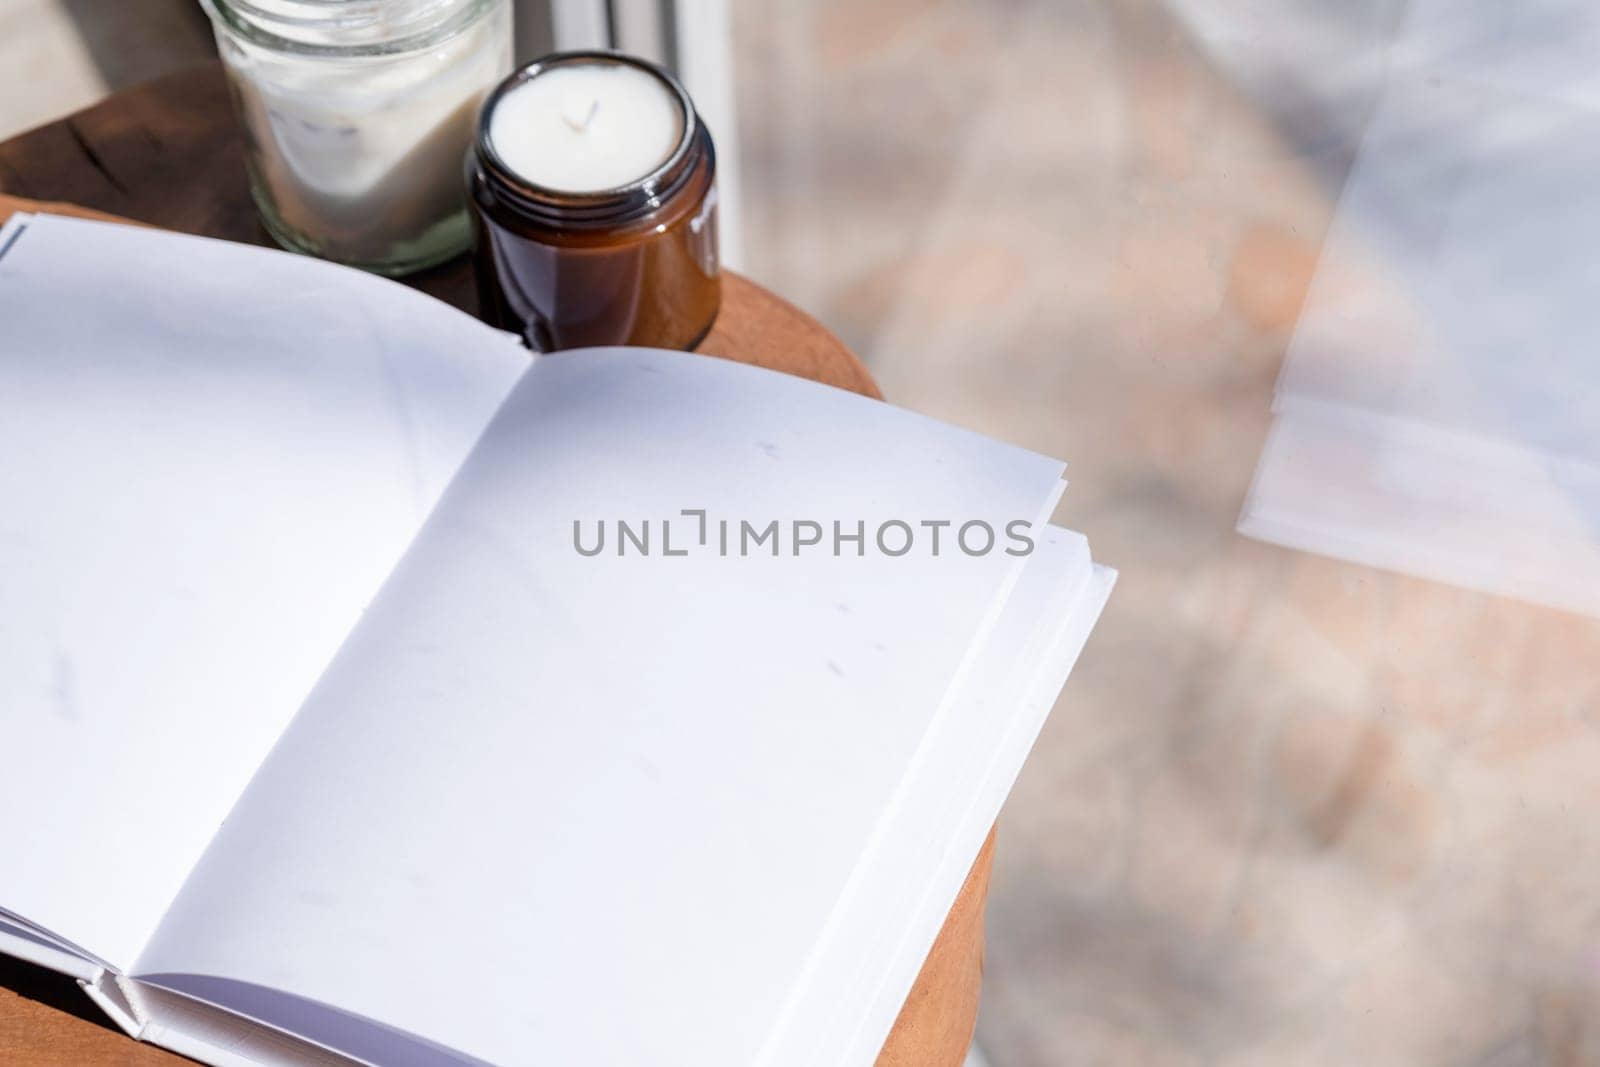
column 169, row 154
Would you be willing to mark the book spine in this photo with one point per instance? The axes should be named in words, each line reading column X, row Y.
column 113, row 997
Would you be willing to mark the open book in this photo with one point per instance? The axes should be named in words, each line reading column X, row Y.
column 376, row 692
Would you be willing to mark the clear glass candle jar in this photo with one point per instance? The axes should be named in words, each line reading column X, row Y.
column 605, row 243
column 357, row 115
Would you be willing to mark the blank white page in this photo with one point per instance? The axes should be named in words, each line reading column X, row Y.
column 555, row 809
column 867, row 963
column 212, row 457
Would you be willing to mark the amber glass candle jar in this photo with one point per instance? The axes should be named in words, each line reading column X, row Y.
column 593, row 184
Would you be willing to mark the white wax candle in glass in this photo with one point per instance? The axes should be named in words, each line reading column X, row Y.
column 595, row 196
column 357, row 117
column 586, row 127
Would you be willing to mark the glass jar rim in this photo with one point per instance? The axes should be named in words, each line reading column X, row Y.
column 635, row 199
column 346, row 28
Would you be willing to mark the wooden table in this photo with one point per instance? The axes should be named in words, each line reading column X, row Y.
column 169, row 154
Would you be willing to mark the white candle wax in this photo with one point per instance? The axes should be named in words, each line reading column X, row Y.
column 586, row 127
column 360, row 156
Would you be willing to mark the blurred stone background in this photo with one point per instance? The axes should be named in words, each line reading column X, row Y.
column 1289, row 811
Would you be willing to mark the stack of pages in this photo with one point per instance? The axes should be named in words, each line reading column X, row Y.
column 1439, row 412
column 333, row 737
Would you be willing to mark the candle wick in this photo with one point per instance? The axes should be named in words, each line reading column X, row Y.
column 583, row 124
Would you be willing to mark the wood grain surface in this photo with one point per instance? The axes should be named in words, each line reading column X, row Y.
column 168, row 154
